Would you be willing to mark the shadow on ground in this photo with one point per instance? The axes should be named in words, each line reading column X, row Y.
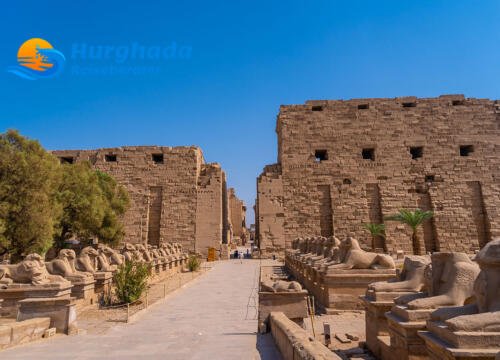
column 267, row 348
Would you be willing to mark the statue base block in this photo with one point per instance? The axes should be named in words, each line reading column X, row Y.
column 14, row 293
column 84, row 290
column 403, row 326
column 292, row 304
column 62, row 312
column 341, row 289
column 103, row 282
column 376, row 305
column 440, row 349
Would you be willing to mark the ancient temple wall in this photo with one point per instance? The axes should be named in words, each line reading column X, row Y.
column 167, row 188
column 209, row 209
column 237, row 214
column 269, row 214
column 439, row 153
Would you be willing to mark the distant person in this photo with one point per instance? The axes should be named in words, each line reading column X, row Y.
column 248, row 254
column 235, row 256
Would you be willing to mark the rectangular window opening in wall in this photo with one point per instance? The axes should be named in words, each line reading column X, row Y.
column 317, row 108
column 110, row 158
column 416, row 152
column 157, row 158
column 363, row 106
column 429, row 178
column 409, row 104
column 457, row 102
column 368, row 154
column 466, row 150
column 67, row 160
column 320, row 155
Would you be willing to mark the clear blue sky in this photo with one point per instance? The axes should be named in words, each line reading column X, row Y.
column 247, row 58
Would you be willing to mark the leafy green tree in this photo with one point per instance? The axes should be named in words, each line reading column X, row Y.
column 92, row 205
column 413, row 219
column 376, row 230
column 82, row 202
column 29, row 178
column 117, row 202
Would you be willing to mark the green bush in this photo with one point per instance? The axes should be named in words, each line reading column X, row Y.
column 131, row 279
column 194, row 263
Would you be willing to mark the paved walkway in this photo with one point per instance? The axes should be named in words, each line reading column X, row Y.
column 208, row 318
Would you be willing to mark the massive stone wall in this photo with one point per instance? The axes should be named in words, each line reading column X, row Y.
column 237, row 210
column 345, row 163
column 269, row 214
column 174, row 195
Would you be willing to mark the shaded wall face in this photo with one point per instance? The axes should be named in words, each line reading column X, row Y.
column 269, row 211
column 162, row 186
column 209, row 209
column 345, row 163
column 237, row 215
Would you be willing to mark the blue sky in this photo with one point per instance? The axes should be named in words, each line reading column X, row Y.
column 247, row 58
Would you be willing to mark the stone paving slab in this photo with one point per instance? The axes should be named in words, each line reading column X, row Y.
column 208, row 318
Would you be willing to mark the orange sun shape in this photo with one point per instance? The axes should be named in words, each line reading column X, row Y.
column 29, row 56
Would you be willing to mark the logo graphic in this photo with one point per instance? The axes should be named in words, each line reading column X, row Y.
column 37, row 59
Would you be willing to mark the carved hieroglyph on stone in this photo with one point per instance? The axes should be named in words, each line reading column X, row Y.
column 474, row 327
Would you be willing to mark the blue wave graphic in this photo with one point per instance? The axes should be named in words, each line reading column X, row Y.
column 50, row 56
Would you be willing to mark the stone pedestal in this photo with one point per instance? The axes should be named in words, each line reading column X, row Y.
column 103, row 282
column 376, row 305
column 83, row 289
column 292, row 304
column 14, row 293
column 444, row 344
column 403, row 326
column 62, row 312
column 341, row 289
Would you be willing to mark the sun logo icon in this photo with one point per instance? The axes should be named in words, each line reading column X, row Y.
column 37, row 59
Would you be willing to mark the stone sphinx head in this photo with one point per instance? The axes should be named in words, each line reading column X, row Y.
column 105, row 251
column 67, row 254
column 453, row 277
column 89, row 251
column 31, row 270
column 487, row 285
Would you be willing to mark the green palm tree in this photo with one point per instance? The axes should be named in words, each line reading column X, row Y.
column 413, row 219
column 375, row 230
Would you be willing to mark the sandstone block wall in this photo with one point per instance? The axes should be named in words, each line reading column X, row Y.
column 345, row 163
column 237, row 210
column 174, row 195
column 269, row 213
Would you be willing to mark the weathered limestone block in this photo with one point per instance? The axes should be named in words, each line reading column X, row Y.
column 451, row 284
column 15, row 333
column 294, row 342
column 62, row 312
column 473, row 330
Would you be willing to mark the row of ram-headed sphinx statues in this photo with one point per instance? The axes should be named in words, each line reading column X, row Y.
column 72, row 267
column 448, row 298
column 323, row 253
